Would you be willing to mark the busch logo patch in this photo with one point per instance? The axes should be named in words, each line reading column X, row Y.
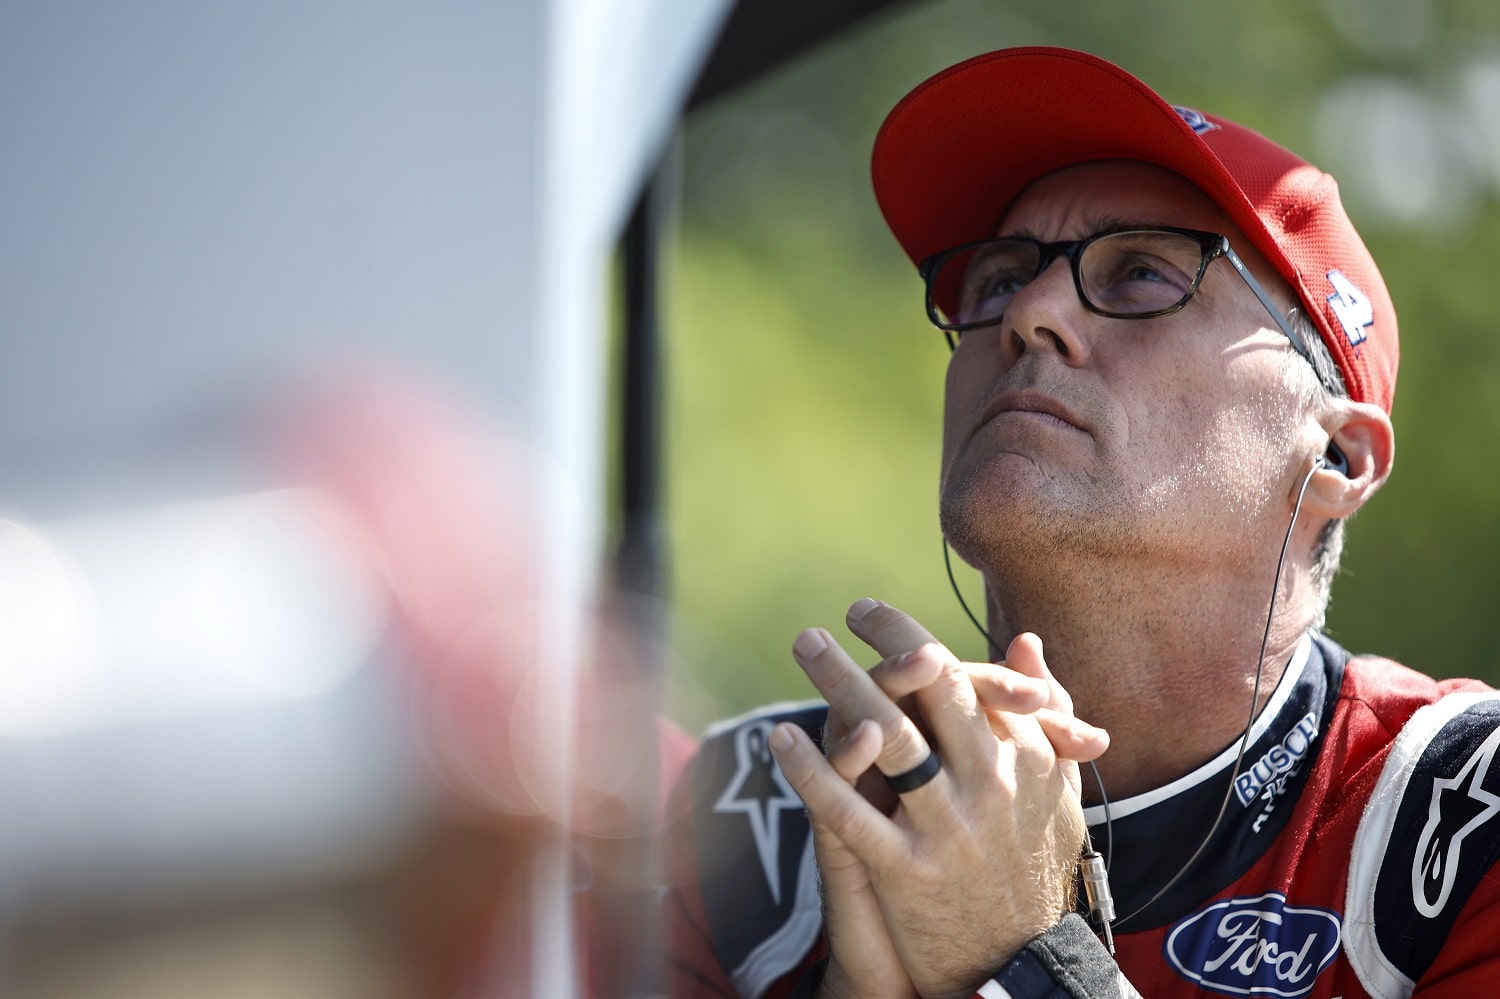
column 1195, row 119
column 1255, row 946
column 1279, row 762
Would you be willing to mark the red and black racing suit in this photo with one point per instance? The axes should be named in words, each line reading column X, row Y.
column 1357, row 858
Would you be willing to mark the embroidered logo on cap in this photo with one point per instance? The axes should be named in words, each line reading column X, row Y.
column 1349, row 304
column 1195, row 119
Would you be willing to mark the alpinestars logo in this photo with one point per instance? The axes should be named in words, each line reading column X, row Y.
column 761, row 792
column 1456, row 810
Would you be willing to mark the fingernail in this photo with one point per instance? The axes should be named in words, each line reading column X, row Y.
column 861, row 607
column 781, row 738
column 809, row 644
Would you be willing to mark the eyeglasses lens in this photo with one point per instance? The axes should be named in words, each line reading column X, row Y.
column 1131, row 273
column 980, row 280
column 1137, row 273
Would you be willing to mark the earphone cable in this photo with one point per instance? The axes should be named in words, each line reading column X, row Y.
column 995, row 650
column 1244, row 737
column 1260, row 667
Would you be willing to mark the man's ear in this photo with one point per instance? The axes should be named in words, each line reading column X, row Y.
column 1362, row 431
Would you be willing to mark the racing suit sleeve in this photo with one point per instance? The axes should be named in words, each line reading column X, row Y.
column 1468, row 964
column 1422, row 914
column 693, row 968
column 692, row 971
column 1066, row 962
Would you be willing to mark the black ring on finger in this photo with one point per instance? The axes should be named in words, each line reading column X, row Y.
column 917, row 775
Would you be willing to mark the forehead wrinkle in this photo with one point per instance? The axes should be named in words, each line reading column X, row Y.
column 1095, row 222
column 1048, row 210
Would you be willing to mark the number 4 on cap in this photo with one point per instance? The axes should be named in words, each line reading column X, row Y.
column 1353, row 309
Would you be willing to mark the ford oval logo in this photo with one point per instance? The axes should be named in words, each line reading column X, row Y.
column 1255, row 946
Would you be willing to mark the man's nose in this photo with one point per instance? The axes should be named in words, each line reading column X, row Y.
column 1047, row 314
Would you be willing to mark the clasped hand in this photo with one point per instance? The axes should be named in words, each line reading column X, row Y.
column 930, row 892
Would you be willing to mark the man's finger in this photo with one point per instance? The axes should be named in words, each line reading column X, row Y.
column 831, row 802
column 922, row 668
column 1024, row 655
column 1000, row 688
column 834, row 728
column 1071, row 738
column 857, row 752
column 886, row 629
column 904, row 674
column 854, row 696
column 951, row 711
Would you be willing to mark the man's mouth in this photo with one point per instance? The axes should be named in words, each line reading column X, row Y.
column 1032, row 402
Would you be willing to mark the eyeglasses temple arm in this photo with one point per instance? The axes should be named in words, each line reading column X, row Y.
column 1297, row 342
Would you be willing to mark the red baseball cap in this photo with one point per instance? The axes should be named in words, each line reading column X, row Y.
column 957, row 151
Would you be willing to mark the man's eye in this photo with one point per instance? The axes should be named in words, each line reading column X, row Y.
column 1148, row 268
column 1134, row 274
column 1143, row 272
column 1136, row 282
column 1005, row 287
column 988, row 292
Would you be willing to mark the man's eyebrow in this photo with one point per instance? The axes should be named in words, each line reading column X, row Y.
column 1096, row 224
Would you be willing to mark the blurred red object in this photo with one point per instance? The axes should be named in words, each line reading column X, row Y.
column 444, row 505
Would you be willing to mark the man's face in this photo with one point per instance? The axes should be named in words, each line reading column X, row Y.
column 1161, row 439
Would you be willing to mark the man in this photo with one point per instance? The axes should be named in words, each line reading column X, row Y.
column 1171, row 384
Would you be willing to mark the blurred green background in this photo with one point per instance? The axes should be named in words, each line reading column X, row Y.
column 804, row 381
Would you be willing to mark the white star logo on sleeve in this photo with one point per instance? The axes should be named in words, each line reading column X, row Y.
column 1450, row 817
column 761, row 792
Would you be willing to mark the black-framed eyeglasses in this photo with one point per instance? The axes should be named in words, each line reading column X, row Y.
column 1136, row 273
